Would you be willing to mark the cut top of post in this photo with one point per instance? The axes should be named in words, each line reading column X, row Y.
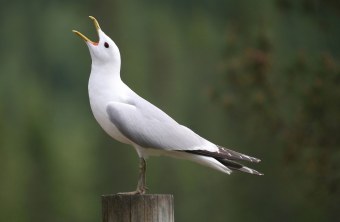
column 142, row 208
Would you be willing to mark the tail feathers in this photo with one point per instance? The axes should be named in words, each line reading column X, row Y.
column 237, row 166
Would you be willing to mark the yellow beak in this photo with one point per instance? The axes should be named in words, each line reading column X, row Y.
column 96, row 24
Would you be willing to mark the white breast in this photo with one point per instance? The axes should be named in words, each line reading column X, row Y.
column 103, row 90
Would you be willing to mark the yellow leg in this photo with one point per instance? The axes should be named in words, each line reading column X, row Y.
column 141, row 186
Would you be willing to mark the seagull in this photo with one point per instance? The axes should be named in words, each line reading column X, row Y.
column 130, row 119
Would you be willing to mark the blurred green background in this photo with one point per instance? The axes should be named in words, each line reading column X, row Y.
column 261, row 77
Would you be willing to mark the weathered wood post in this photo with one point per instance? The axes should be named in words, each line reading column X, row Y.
column 141, row 208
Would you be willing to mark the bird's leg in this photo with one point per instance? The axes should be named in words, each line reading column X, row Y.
column 141, row 186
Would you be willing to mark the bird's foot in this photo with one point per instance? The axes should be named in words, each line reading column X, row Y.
column 139, row 191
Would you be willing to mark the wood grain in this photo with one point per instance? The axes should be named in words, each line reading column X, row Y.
column 141, row 208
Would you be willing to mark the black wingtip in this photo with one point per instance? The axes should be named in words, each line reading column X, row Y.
column 258, row 173
column 256, row 160
column 250, row 171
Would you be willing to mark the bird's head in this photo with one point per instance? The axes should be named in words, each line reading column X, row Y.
column 103, row 52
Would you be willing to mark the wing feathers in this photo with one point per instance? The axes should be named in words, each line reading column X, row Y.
column 227, row 157
column 224, row 153
column 157, row 130
column 237, row 166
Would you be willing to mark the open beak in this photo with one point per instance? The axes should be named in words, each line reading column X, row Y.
column 96, row 24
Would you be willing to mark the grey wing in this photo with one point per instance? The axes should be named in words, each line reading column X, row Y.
column 152, row 128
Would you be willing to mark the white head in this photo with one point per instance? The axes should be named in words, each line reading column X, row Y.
column 105, row 51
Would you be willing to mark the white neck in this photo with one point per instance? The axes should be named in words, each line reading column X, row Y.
column 105, row 83
column 111, row 70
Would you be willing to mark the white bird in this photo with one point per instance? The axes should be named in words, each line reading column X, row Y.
column 130, row 119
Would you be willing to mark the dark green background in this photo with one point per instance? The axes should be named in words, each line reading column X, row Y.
column 261, row 77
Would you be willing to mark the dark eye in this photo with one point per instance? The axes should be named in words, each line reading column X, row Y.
column 106, row 45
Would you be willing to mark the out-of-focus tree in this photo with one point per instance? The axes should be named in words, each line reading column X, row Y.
column 289, row 98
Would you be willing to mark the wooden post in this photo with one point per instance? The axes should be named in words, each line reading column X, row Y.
column 141, row 208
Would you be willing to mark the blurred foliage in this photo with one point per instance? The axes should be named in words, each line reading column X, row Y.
column 261, row 77
column 290, row 104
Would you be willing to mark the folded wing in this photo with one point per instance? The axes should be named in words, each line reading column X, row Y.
column 152, row 128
